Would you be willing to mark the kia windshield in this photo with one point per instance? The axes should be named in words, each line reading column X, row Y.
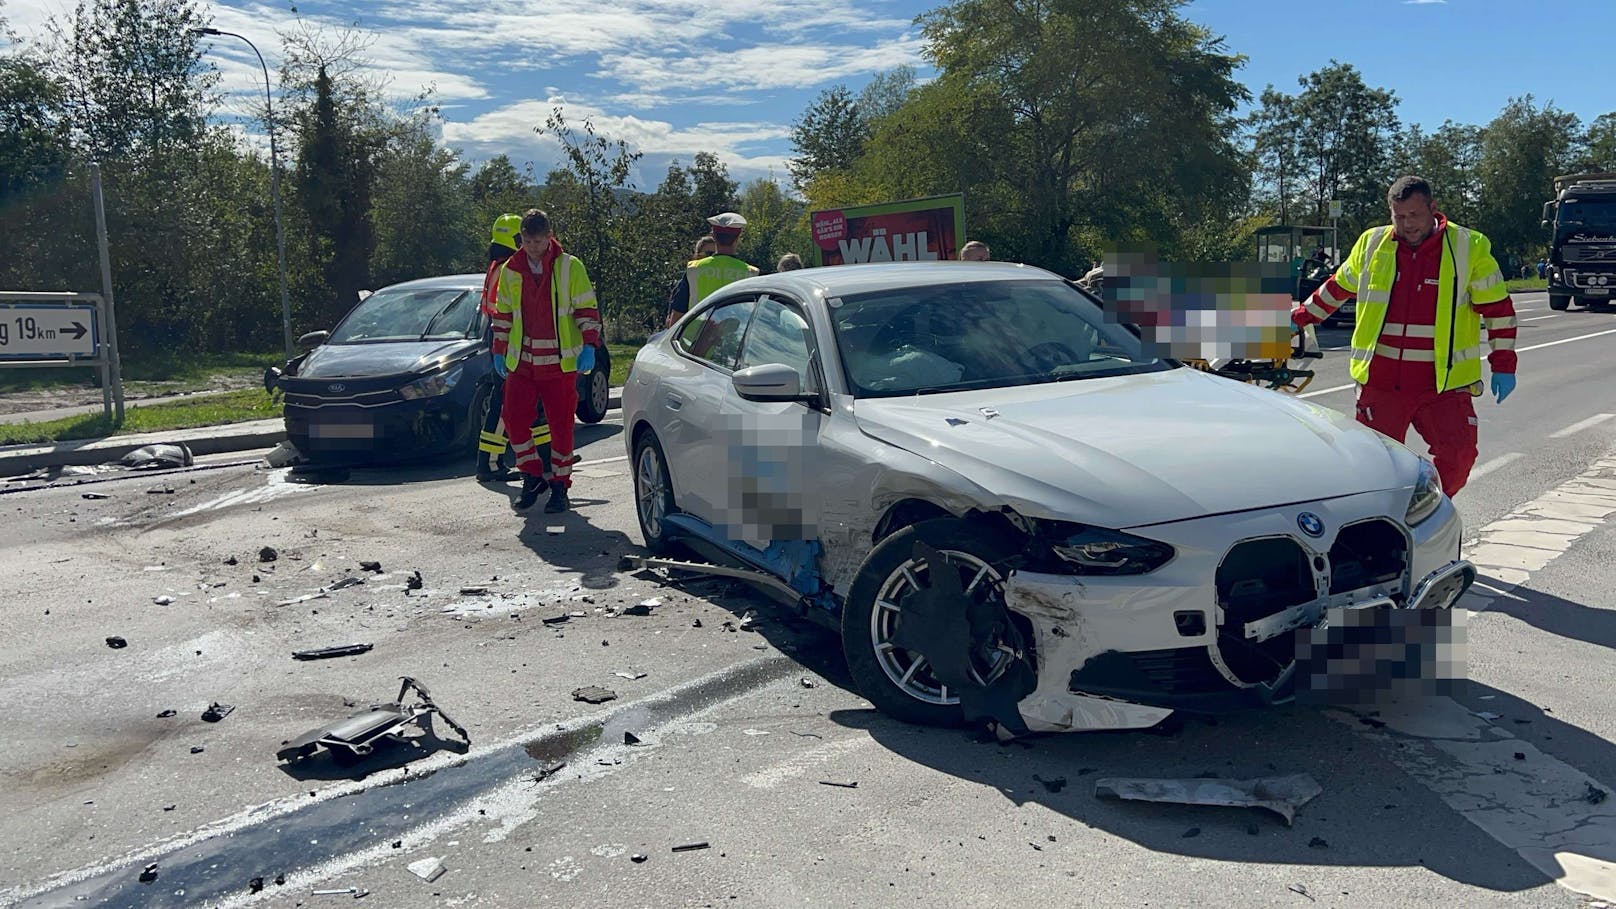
column 979, row 334
column 430, row 314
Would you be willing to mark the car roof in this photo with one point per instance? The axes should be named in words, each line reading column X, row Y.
column 445, row 282
column 838, row 280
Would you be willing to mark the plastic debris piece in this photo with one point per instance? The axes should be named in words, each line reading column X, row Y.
column 839, row 785
column 345, row 583
column 283, row 455
column 1282, row 795
column 630, row 674
column 197, row 749
column 163, row 600
column 807, row 682
column 691, row 847
column 358, row 735
column 374, row 567
column 117, row 643
column 321, row 595
column 95, row 495
column 216, row 712
column 594, row 694
column 1053, row 785
column 561, row 619
column 637, row 858
column 1594, row 795
column 150, row 874
column 326, row 653
column 630, row 738
column 158, row 456
column 167, row 713
column 477, row 591
column 414, row 582
column 428, row 870
column 268, row 554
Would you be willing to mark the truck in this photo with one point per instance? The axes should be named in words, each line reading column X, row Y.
column 1582, row 250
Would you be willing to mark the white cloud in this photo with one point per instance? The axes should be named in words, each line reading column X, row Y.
column 762, row 67
column 745, row 147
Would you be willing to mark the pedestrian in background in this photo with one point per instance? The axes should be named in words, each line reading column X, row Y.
column 1425, row 288
column 706, row 275
column 974, row 251
column 555, row 325
column 788, row 262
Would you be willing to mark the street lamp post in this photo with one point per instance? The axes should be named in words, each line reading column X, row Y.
column 274, row 182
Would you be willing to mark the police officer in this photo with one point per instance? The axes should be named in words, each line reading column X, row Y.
column 704, row 276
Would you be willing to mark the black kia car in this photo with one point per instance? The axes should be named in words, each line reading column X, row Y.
column 406, row 374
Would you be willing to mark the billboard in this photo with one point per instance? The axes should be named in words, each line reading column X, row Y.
column 914, row 230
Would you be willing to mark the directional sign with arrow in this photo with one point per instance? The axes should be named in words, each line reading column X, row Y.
column 48, row 331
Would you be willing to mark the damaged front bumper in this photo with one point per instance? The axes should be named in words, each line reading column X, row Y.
column 1113, row 653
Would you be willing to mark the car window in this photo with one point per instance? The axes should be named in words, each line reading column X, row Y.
column 979, row 334
column 693, row 329
column 779, row 334
column 410, row 315
column 719, row 339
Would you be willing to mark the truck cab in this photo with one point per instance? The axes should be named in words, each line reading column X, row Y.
column 1582, row 252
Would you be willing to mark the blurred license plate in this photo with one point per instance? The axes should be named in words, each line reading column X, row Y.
column 342, row 430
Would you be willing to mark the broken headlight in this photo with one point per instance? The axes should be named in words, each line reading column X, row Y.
column 1095, row 550
column 430, row 387
column 1427, row 494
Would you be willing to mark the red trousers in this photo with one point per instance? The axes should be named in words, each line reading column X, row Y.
column 525, row 391
column 1445, row 420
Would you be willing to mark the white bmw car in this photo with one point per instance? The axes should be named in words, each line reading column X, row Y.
column 1011, row 513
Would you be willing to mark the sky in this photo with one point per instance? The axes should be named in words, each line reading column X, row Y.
column 672, row 80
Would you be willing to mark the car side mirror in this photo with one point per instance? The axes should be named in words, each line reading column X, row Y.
column 770, row 382
column 313, row 339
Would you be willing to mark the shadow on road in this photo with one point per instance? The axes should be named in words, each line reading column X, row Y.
column 1555, row 615
column 404, row 471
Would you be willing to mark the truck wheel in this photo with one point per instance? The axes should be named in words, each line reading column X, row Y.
column 1559, row 302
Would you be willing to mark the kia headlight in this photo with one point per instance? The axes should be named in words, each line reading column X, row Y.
column 1427, row 494
column 1095, row 550
column 434, row 385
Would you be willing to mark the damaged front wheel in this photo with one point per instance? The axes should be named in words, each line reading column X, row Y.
column 925, row 631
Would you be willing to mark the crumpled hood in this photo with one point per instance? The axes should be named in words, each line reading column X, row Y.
column 1145, row 449
column 381, row 359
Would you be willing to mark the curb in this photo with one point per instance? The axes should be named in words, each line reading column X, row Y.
column 202, row 440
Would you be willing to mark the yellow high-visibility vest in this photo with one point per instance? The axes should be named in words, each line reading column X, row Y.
column 1469, row 277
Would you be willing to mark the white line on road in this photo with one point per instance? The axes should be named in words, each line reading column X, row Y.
column 1575, row 428
column 1494, row 464
column 1535, row 318
column 601, row 461
column 1597, row 334
column 1525, row 799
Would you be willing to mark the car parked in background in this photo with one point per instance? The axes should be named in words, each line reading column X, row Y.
column 1011, row 511
column 406, row 374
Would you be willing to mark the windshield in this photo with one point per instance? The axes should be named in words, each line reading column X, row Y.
column 434, row 314
column 1589, row 215
column 987, row 334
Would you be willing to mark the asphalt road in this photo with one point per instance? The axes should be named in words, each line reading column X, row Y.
column 750, row 740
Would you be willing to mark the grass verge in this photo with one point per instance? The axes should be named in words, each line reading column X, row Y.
column 1518, row 284
column 622, row 358
column 151, row 375
column 205, row 410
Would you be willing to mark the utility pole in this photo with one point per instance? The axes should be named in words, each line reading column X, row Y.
column 274, row 182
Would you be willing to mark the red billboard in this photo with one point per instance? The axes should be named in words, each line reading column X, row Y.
column 914, row 230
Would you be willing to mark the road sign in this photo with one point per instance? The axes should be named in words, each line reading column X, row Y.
column 48, row 331
column 1335, row 208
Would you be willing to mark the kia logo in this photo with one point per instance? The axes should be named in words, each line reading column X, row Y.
column 1311, row 524
column 336, row 388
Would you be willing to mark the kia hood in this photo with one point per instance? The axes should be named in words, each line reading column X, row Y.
column 1143, row 449
column 382, row 358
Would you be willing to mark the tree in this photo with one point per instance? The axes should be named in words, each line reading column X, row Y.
column 1079, row 140
column 1600, row 143
column 1346, row 142
column 711, row 189
column 775, row 224
column 422, row 216
column 33, row 135
column 1275, row 133
column 884, row 94
column 497, row 188
column 333, row 186
column 1448, row 159
column 1522, row 150
column 600, row 169
column 829, row 136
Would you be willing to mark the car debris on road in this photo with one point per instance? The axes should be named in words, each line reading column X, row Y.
column 357, row 736
column 594, row 694
column 1283, row 795
column 161, row 456
column 326, row 653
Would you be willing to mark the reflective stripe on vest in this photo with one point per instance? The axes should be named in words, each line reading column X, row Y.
column 1456, row 336
column 568, row 335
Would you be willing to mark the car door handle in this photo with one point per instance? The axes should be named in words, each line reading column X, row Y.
column 673, row 401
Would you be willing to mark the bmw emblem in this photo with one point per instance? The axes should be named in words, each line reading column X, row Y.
column 1311, row 524
column 336, row 388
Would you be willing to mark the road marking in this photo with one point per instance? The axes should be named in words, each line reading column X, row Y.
column 1534, row 319
column 1529, row 801
column 1494, row 464
column 1575, row 428
column 1597, row 334
column 601, row 461
column 1525, row 799
column 1527, row 539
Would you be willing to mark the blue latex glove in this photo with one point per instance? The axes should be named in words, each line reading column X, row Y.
column 1503, row 384
column 586, row 360
column 500, row 368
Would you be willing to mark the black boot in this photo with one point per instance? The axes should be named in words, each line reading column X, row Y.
column 487, row 473
column 530, row 491
column 558, row 499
